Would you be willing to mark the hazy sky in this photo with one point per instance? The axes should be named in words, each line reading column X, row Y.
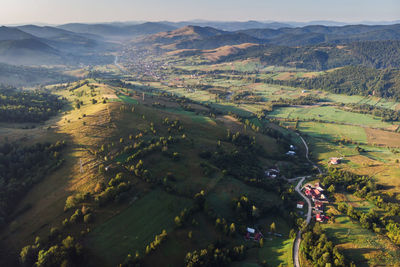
column 62, row 11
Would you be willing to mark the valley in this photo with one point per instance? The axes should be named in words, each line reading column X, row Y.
column 158, row 145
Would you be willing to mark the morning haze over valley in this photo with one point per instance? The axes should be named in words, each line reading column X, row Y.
column 199, row 133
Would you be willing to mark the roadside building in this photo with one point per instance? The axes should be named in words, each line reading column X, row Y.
column 300, row 204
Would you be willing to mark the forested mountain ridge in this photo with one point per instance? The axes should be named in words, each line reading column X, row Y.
column 317, row 34
column 373, row 54
column 355, row 80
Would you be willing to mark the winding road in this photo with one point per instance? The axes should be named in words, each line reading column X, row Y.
column 297, row 241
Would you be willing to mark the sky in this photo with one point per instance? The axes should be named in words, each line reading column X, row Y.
column 65, row 11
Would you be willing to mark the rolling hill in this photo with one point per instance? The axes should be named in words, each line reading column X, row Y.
column 8, row 33
column 117, row 31
column 63, row 40
column 185, row 33
column 196, row 37
column 34, row 45
column 28, row 52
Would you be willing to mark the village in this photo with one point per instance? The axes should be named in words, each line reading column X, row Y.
column 315, row 193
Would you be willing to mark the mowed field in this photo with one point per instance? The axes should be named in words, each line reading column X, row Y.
column 383, row 138
column 331, row 131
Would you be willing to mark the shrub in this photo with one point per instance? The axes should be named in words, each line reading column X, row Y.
column 88, row 218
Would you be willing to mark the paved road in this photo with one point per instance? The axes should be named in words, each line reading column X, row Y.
column 119, row 66
column 297, row 241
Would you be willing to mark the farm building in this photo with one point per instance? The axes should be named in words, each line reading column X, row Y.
column 272, row 173
column 253, row 234
column 335, row 161
column 300, row 204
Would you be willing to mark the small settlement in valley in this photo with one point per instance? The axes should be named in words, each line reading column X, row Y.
column 315, row 193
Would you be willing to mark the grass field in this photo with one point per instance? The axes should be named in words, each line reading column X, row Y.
column 277, row 251
column 328, row 113
column 333, row 132
column 134, row 228
column 220, row 198
column 360, row 245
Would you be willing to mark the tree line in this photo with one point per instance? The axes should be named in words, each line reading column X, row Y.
column 353, row 80
column 27, row 106
column 21, row 167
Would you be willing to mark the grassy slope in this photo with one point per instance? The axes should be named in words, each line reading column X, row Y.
column 48, row 197
column 137, row 225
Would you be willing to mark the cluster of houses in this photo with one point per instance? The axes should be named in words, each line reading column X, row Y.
column 315, row 192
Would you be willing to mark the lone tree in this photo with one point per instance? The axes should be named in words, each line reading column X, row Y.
column 272, row 227
column 232, row 228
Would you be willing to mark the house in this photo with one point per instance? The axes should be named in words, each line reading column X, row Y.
column 308, row 193
column 253, row 234
column 110, row 167
column 308, row 187
column 321, row 217
column 316, row 192
column 319, row 206
column 322, row 196
column 251, row 230
column 292, row 147
column 291, row 153
column 335, row 161
column 300, row 204
column 318, row 186
column 272, row 173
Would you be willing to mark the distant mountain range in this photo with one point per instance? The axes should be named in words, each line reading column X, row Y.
column 119, row 31
column 230, row 25
column 79, row 43
column 196, row 37
column 68, row 44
